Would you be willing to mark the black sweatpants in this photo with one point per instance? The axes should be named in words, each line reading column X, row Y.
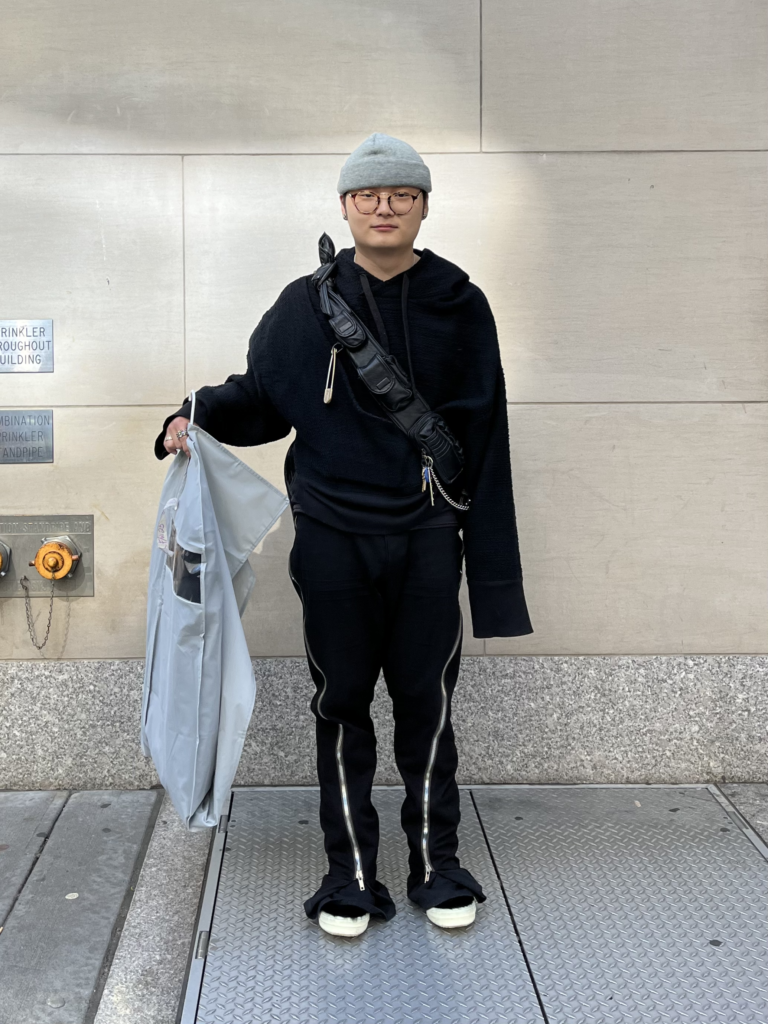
column 391, row 602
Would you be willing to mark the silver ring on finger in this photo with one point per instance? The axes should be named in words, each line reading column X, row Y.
column 181, row 433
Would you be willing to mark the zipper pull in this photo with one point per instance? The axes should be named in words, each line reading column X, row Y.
column 328, row 393
column 360, row 881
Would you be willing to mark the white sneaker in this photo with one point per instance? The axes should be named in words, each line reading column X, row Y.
column 336, row 924
column 453, row 917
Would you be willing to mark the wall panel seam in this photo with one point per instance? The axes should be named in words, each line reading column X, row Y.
column 183, row 280
column 510, row 405
column 480, row 2
column 424, row 152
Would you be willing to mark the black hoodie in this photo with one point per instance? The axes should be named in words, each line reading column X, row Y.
column 349, row 465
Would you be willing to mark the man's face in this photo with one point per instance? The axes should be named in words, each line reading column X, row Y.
column 383, row 228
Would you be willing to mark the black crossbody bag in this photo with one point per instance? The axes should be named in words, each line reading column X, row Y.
column 442, row 457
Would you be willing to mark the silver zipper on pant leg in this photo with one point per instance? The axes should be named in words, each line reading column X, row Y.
column 345, row 805
column 339, row 741
column 431, row 762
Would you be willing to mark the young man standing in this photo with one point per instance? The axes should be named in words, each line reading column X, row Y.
column 378, row 552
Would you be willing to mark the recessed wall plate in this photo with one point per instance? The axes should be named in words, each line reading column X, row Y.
column 26, row 346
column 24, row 535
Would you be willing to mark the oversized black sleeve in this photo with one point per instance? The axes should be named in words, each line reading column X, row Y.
column 239, row 411
column 494, row 571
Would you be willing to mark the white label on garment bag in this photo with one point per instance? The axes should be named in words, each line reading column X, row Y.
column 165, row 526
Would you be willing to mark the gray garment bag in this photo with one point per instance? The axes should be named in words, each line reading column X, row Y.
column 199, row 686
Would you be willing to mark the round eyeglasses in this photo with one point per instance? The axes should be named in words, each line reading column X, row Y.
column 400, row 202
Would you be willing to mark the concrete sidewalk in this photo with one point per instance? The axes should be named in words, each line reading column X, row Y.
column 99, row 892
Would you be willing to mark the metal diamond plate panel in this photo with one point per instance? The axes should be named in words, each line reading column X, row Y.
column 634, row 903
column 268, row 963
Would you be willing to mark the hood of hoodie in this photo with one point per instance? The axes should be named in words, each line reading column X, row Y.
column 424, row 312
column 433, row 281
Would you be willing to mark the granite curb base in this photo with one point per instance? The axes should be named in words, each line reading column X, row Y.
column 532, row 719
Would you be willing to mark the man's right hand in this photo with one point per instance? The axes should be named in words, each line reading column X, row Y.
column 172, row 443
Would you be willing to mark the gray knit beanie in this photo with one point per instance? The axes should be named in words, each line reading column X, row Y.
column 383, row 160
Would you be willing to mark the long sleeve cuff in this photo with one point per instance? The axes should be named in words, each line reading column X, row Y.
column 498, row 609
column 185, row 410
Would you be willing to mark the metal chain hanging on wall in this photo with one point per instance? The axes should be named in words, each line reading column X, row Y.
column 28, row 608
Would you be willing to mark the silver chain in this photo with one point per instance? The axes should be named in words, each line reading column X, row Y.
column 456, row 504
column 28, row 608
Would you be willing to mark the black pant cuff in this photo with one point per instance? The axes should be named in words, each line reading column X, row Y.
column 374, row 899
column 444, row 884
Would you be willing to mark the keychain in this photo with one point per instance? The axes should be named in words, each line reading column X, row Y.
column 426, row 463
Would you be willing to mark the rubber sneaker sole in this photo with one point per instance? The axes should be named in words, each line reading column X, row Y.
column 347, row 926
column 454, row 917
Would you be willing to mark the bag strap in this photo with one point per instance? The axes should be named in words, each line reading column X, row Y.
column 385, row 379
column 379, row 371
